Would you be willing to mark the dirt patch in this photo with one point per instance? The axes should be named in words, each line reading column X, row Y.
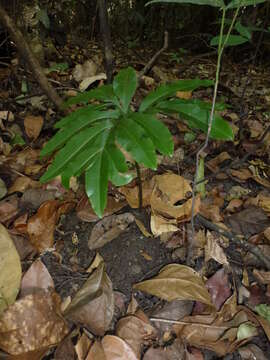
column 130, row 258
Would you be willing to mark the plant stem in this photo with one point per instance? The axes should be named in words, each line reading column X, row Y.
column 140, row 194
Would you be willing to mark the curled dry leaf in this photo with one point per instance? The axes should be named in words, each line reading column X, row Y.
column 117, row 349
column 213, row 164
column 136, row 332
column 33, row 126
column 82, row 347
column 174, row 282
column 169, row 190
column 93, row 304
column 261, row 201
column 41, row 226
column 22, row 183
column 213, row 250
column 108, row 229
column 10, row 270
column 36, row 277
column 32, row 323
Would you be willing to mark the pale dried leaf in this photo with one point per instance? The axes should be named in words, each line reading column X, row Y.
column 214, row 251
column 33, row 126
column 108, row 229
column 174, row 282
column 10, row 270
column 117, row 349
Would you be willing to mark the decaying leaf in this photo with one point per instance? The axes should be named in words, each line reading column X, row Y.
column 93, row 304
column 36, row 277
column 248, row 222
column 33, row 126
column 175, row 351
column 132, row 193
column 108, row 229
column 213, row 250
column 174, row 282
column 213, row 164
column 32, row 323
column 168, row 192
column 10, row 270
column 136, row 332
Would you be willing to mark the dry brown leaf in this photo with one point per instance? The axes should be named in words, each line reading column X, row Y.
column 174, row 282
column 65, row 350
column 142, row 228
column 242, row 174
column 96, row 352
column 82, row 347
column 10, row 270
column 41, row 226
column 36, row 277
column 117, row 349
column 262, row 276
column 267, row 233
column 8, row 209
column 136, row 332
column 176, row 351
column 86, row 213
column 251, row 351
column 22, row 183
column 261, row 201
column 161, row 225
column 169, row 190
column 33, row 126
column 108, row 229
column 93, row 304
column 234, row 205
column 32, row 323
column 184, row 95
column 214, row 251
column 210, row 212
column 132, row 193
column 212, row 332
column 214, row 163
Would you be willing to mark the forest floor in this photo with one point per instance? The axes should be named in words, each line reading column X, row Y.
column 130, row 285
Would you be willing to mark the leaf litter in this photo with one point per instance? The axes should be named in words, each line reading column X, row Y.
column 181, row 310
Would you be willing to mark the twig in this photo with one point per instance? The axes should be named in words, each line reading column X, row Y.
column 151, row 62
column 177, row 322
column 255, row 250
column 140, row 191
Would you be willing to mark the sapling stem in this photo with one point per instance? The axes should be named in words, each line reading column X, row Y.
column 140, row 191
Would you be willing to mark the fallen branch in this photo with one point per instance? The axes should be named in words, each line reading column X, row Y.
column 253, row 249
column 28, row 56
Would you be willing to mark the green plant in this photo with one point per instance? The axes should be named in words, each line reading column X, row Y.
column 90, row 139
column 178, row 56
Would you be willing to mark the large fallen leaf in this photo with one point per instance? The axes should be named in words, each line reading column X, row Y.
column 108, row 229
column 136, row 332
column 132, row 193
column 213, row 250
column 168, row 192
column 93, row 304
column 175, row 351
column 32, row 323
column 174, row 282
column 36, row 277
column 117, row 349
column 248, row 222
column 10, row 270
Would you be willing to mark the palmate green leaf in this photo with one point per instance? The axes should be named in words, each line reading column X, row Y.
column 74, row 125
column 216, row 3
column 124, row 86
column 132, row 137
column 73, row 147
column 157, row 131
column 233, row 40
column 103, row 93
column 236, row 3
column 198, row 117
column 165, row 91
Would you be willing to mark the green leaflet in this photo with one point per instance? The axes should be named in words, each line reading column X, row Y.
column 233, row 40
column 197, row 116
column 89, row 114
column 134, row 140
column 165, row 91
column 96, row 182
column 124, row 86
column 157, row 131
column 242, row 3
column 73, row 147
column 104, row 93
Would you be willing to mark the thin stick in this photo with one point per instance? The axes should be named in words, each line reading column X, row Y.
column 255, row 250
column 140, row 191
column 151, row 62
